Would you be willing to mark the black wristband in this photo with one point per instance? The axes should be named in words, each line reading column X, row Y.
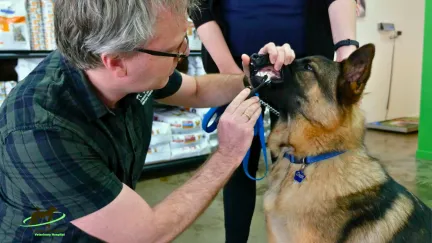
column 346, row 42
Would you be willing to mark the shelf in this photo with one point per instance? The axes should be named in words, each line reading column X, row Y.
column 153, row 169
column 14, row 54
column 195, row 53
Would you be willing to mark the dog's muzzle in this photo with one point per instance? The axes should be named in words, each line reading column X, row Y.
column 261, row 69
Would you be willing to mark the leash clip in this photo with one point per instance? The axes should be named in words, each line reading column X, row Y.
column 303, row 164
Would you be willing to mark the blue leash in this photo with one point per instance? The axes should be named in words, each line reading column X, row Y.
column 258, row 129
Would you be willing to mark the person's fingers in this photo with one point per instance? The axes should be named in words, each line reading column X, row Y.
column 293, row 56
column 249, row 111
column 270, row 49
column 247, row 105
column 245, row 62
column 255, row 116
column 231, row 108
column 280, row 58
column 289, row 54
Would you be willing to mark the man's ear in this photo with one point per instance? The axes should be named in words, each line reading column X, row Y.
column 115, row 64
column 355, row 72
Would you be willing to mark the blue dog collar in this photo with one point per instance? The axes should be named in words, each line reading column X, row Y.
column 299, row 175
column 312, row 159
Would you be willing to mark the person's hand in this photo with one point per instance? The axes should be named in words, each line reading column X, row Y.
column 236, row 126
column 344, row 52
column 279, row 56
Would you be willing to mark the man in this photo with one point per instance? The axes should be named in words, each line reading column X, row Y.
column 311, row 27
column 75, row 132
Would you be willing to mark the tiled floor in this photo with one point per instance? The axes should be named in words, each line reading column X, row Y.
column 396, row 151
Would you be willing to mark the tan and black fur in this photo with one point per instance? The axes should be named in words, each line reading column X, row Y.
column 348, row 198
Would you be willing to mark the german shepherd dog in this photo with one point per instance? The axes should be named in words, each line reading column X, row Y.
column 324, row 186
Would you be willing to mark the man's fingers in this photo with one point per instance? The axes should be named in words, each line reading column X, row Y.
column 238, row 100
column 247, row 108
column 245, row 62
column 255, row 116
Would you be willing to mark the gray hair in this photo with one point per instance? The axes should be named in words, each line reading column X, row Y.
column 84, row 29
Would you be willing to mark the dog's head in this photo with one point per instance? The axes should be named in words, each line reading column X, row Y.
column 318, row 100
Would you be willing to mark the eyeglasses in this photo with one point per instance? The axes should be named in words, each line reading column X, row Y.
column 178, row 56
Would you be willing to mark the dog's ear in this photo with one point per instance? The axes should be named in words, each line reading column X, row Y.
column 355, row 72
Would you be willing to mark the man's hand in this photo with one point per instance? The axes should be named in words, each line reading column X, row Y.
column 279, row 56
column 236, row 126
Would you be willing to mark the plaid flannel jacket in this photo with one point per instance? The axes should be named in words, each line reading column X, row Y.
column 64, row 151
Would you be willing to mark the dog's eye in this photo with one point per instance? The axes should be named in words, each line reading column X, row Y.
column 308, row 67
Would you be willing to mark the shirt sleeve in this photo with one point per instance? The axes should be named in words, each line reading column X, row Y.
column 56, row 168
column 173, row 85
column 329, row 2
column 202, row 14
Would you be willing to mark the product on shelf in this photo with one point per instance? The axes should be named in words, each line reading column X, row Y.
column 196, row 66
column 194, row 40
column 199, row 66
column 186, row 137
column 25, row 66
column 161, row 133
column 5, row 89
column 48, row 23
column 14, row 31
column 181, row 121
column 35, row 23
column 184, row 140
column 191, row 66
column 199, row 111
column 158, row 153
column 190, row 151
column 159, row 149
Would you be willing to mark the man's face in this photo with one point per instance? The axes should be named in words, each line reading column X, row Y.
column 149, row 72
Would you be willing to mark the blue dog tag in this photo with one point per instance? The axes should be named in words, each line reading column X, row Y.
column 299, row 176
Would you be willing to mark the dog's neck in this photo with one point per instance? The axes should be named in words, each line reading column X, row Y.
column 311, row 141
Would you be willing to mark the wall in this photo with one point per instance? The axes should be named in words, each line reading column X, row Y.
column 425, row 132
column 408, row 17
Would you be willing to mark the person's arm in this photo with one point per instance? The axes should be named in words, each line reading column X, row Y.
column 130, row 219
column 56, row 167
column 207, row 90
column 212, row 38
column 343, row 21
column 212, row 90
